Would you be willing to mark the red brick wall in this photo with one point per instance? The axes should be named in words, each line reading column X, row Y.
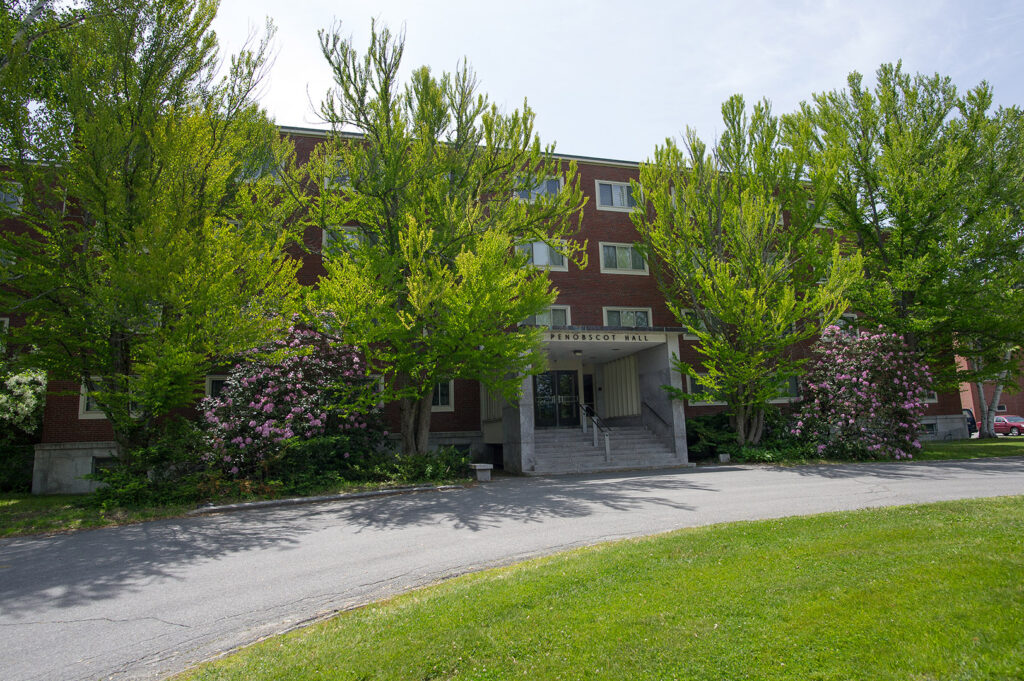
column 60, row 417
column 588, row 291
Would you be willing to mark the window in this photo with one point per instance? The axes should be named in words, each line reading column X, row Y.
column 10, row 197
column 214, row 385
column 931, row 397
column 691, row 321
column 1000, row 407
column 346, row 237
column 929, row 428
column 847, row 322
column 615, row 196
column 546, row 187
column 622, row 259
column 556, row 315
column 811, row 205
column 541, row 254
column 628, row 317
column 444, row 397
column 88, row 409
column 694, row 387
column 788, row 391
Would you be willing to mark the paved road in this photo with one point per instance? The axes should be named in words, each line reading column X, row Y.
column 143, row 601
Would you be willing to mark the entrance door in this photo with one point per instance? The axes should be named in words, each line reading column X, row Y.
column 555, row 399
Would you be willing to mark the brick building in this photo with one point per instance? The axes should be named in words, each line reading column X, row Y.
column 609, row 340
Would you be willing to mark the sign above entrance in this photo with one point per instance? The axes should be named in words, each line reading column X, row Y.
column 603, row 337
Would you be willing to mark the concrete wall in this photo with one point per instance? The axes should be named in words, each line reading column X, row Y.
column 517, row 421
column 60, row 466
column 663, row 416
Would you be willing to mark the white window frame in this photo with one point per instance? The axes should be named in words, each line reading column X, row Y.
column 615, row 270
column 620, row 310
column 931, row 397
column 210, row 378
column 450, row 407
column 788, row 398
column 686, row 311
column 1000, row 407
column 13, row 189
column 351, row 235
column 549, row 308
column 533, row 196
column 613, row 184
column 564, row 267
column 692, row 403
column 84, row 413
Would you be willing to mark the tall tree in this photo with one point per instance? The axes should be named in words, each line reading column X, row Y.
column 748, row 283
column 437, row 189
column 153, row 238
column 930, row 187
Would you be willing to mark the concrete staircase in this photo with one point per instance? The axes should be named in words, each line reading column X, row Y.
column 569, row 450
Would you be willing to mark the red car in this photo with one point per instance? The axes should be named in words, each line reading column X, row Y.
column 1009, row 425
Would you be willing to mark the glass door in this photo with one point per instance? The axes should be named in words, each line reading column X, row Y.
column 555, row 399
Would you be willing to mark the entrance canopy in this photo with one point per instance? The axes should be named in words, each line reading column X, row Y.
column 599, row 346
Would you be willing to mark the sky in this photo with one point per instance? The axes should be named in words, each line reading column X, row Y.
column 613, row 80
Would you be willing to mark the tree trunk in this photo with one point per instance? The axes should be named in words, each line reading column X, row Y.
column 984, row 423
column 415, row 423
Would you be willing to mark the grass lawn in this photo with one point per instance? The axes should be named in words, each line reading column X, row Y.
column 22, row 514
column 30, row 514
column 911, row 593
column 971, row 449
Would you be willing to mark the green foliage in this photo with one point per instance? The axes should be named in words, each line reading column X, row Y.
column 429, row 283
column 930, row 188
column 155, row 240
column 167, row 472
column 16, row 459
column 325, row 463
column 749, row 283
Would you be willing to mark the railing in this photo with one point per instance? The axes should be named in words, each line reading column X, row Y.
column 599, row 426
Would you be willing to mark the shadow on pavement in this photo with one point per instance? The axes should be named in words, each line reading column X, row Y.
column 520, row 500
column 63, row 571
column 906, row 470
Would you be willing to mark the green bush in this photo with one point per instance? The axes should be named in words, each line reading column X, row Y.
column 708, row 434
column 317, row 464
column 168, row 472
column 16, row 457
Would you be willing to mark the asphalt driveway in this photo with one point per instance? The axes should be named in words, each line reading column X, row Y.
column 144, row 601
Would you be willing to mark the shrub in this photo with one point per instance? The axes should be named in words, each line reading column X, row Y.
column 301, row 387
column 863, row 396
column 22, row 396
column 167, row 472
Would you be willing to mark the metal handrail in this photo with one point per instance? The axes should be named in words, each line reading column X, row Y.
column 590, row 414
column 656, row 414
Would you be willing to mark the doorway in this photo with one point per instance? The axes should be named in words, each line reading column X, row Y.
column 556, row 399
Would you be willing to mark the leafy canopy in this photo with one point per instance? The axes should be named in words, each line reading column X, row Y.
column 747, row 282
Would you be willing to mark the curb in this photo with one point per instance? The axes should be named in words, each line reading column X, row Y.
column 299, row 501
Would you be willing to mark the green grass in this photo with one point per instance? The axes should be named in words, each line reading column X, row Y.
column 910, row 593
column 971, row 449
column 22, row 514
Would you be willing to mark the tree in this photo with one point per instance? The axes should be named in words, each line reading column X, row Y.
column 297, row 387
column 930, row 188
column 864, row 396
column 748, row 284
column 153, row 240
column 427, row 279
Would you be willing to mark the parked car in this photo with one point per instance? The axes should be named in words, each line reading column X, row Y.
column 1009, row 425
column 972, row 424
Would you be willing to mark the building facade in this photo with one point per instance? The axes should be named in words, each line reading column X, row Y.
column 599, row 405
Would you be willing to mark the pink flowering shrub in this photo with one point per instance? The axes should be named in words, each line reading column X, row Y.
column 863, row 397
column 298, row 388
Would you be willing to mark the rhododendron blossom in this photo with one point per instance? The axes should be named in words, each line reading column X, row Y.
column 864, row 396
